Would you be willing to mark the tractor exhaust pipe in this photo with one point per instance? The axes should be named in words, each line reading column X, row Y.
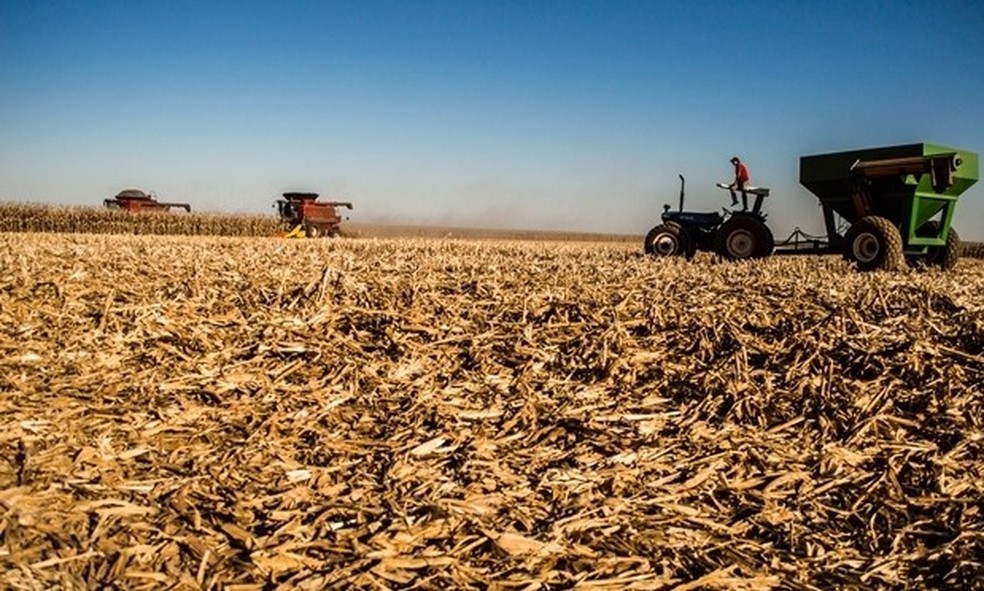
column 682, row 183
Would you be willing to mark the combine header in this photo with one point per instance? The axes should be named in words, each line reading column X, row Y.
column 302, row 215
column 882, row 208
column 137, row 201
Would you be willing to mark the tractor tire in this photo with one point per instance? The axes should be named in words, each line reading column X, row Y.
column 945, row 256
column 666, row 240
column 743, row 237
column 875, row 244
column 313, row 231
column 768, row 244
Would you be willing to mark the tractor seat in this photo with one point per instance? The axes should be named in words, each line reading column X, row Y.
column 761, row 191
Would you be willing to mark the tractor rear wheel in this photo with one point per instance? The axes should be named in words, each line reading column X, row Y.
column 874, row 243
column 666, row 240
column 743, row 237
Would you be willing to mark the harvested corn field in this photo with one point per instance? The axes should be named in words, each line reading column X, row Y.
column 367, row 230
column 252, row 413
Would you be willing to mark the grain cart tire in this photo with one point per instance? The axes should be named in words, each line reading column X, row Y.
column 313, row 231
column 874, row 243
column 666, row 240
column 944, row 256
column 950, row 251
column 743, row 237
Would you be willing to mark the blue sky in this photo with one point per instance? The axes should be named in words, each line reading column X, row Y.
column 529, row 114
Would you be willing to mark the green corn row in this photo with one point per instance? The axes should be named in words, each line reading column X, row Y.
column 31, row 217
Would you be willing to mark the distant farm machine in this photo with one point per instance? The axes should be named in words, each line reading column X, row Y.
column 882, row 208
column 136, row 200
column 734, row 235
column 302, row 215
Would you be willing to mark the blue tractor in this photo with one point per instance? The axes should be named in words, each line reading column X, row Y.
column 734, row 235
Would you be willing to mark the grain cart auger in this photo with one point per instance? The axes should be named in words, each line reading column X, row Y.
column 897, row 201
column 137, row 201
column 302, row 215
column 734, row 235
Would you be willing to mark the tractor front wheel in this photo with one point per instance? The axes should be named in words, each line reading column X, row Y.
column 874, row 243
column 743, row 237
column 313, row 231
column 666, row 240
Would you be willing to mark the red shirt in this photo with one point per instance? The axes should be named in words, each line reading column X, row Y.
column 741, row 173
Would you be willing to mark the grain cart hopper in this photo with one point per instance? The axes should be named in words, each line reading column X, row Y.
column 301, row 214
column 137, row 201
column 898, row 201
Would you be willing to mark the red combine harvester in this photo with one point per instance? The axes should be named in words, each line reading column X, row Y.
column 137, row 201
column 303, row 215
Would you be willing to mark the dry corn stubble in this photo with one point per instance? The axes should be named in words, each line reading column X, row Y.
column 213, row 412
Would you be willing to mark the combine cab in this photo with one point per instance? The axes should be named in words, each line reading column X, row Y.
column 137, row 201
column 303, row 215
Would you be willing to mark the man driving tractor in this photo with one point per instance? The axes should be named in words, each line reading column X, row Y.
column 741, row 181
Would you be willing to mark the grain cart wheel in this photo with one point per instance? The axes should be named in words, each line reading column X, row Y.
column 666, row 240
column 743, row 237
column 874, row 243
column 313, row 231
column 943, row 256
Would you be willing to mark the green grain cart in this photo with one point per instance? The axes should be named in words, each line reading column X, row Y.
column 898, row 201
